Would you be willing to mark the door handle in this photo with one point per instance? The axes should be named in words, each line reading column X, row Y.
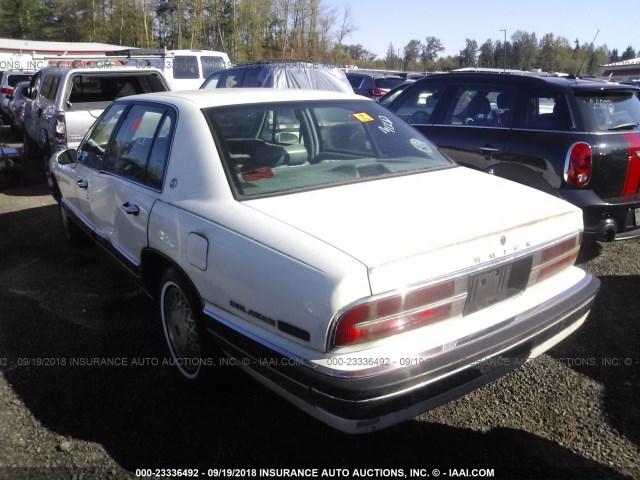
column 83, row 183
column 130, row 209
column 489, row 149
column 488, row 152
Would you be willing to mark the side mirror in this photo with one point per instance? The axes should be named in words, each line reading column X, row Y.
column 67, row 157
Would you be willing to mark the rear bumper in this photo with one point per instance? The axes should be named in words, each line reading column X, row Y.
column 613, row 219
column 374, row 401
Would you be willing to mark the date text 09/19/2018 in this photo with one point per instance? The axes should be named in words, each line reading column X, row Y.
column 315, row 473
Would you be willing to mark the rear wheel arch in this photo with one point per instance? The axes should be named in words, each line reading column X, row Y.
column 153, row 266
column 179, row 308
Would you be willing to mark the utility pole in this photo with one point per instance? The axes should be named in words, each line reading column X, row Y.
column 504, row 63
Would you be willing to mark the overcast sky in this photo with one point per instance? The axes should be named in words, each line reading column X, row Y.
column 381, row 22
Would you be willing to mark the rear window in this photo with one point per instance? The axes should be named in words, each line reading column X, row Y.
column 354, row 81
column 99, row 88
column 279, row 148
column 609, row 111
column 389, row 83
column 13, row 80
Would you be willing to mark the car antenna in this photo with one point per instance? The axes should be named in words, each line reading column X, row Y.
column 585, row 56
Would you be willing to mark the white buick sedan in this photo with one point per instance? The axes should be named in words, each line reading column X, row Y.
column 325, row 246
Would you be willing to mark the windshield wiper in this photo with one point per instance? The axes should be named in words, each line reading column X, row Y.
column 625, row 126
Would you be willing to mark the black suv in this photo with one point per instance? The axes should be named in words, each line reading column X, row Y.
column 574, row 138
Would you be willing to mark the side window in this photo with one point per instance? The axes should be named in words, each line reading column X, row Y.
column 92, row 149
column 134, row 142
column 211, row 64
column 281, row 126
column 480, row 106
column 256, row 77
column 212, row 81
column 185, row 66
column 160, row 153
column 231, row 78
column 53, row 90
column 31, row 90
column 545, row 111
column 46, row 86
column 416, row 106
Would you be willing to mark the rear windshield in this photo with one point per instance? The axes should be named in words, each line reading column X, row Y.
column 388, row 82
column 100, row 88
column 609, row 111
column 278, row 148
column 13, row 80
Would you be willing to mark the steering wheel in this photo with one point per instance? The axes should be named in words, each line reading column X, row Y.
column 419, row 117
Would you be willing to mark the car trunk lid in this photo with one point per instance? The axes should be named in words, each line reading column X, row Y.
column 425, row 240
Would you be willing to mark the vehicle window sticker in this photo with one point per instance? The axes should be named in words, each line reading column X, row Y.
column 387, row 125
column 363, row 117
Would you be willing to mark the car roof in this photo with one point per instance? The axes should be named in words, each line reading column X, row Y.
column 91, row 69
column 241, row 96
column 374, row 75
column 281, row 63
column 568, row 83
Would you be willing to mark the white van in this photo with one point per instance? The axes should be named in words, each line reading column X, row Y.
column 184, row 69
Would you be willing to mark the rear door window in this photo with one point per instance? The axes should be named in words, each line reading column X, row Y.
column 140, row 147
column 229, row 79
column 185, row 66
column 480, row 106
column 545, row 111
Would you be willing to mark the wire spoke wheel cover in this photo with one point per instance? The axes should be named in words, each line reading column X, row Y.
column 180, row 330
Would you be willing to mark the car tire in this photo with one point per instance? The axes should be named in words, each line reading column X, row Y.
column 182, row 326
column 30, row 148
column 73, row 233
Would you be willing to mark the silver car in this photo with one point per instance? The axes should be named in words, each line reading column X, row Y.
column 8, row 80
column 16, row 106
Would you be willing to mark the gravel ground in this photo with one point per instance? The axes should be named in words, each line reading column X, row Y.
column 570, row 414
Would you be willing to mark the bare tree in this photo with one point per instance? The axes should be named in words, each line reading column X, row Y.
column 346, row 27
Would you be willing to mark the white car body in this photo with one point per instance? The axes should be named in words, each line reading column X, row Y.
column 276, row 274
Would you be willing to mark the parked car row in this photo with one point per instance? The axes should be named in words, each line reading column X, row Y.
column 9, row 81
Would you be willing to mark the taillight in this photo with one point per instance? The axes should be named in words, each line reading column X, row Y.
column 391, row 314
column 61, row 128
column 6, row 90
column 554, row 258
column 401, row 312
column 577, row 169
column 376, row 92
